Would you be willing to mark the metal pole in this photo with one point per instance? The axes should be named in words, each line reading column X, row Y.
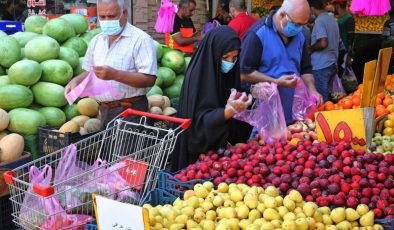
column 249, row 6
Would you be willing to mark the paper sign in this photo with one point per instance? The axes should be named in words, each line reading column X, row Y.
column 134, row 173
column 114, row 215
column 342, row 125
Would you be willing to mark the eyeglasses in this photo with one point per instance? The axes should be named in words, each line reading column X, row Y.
column 288, row 18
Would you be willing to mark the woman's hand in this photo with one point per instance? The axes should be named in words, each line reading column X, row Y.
column 237, row 103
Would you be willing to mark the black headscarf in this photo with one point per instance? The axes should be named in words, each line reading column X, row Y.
column 204, row 96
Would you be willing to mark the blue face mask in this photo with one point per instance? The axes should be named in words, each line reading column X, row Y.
column 111, row 27
column 291, row 28
column 226, row 66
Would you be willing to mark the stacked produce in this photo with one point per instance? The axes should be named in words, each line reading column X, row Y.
column 243, row 207
column 327, row 174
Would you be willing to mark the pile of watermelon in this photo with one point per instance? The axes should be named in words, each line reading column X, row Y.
column 36, row 65
column 172, row 65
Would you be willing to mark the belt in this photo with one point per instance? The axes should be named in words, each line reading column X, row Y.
column 126, row 102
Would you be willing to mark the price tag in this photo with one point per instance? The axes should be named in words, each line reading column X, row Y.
column 114, row 215
column 342, row 125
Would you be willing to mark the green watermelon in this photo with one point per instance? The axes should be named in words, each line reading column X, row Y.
column 154, row 90
column 34, row 106
column 79, row 69
column 179, row 80
column 70, row 56
column 54, row 117
column 166, row 49
column 2, row 33
column 42, row 48
column 79, row 22
column 25, row 72
column 174, row 60
column 56, row 71
column 159, row 50
column 24, row 37
column 49, row 94
column 167, row 76
column 77, row 44
column 15, row 96
column 172, row 91
column 4, row 80
column 159, row 82
column 35, row 24
column 95, row 31
column 71, row 111
column 59, row 29
column 25, row 121
column 87, row 37
column 23, row 53
column 10, row 51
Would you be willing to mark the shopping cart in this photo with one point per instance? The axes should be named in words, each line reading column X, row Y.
column 131, row 151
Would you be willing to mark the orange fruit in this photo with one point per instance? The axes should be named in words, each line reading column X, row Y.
column 390, row 108
column 381, row 95
column 347, row 104
column 329, row 107
column 388, row 131
column 387, row 101
column 356, row 101
column 388, row 124
column 378, row 101
column 380, row 111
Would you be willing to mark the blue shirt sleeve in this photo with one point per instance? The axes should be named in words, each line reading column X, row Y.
column 251, row 50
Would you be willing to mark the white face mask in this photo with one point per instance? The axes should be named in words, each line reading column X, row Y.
column 111, row 27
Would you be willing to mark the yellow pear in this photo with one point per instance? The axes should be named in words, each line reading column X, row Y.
column 271, row 191
column 252, row 227
column 181, row 219
column 193, row 202
column 229, row 203
column 191, row 224
column 262, row 197
column 159, row 219
column 290, row 216
column 270, row 202
column 338, row 215
column 295, row 196
column 158, row 226
column 324, row 210
column 331, row 227
column 354, row 223
column 298, row 210
column 309, row 208
column 289, row 225
column 233, row 223
column 279, row 200
column 254, row 215
column 177, row 226
column 206, row 206
column 210, row 215
column 208, row 185
column 251, row 200
column 244, row 223
column 362, row 209
column 282, row 211
column 199, row 216
column 260, row 190
column 344, row 225
column 301, row 224
column 327, row 220
column 188, row 194
column 189, row 211
column 301, row 215
column 311, row 223
column 239, row 203
column 227, row 213
column 222, row 187
column 201, row 192
column 222, row 226
column 242, row 212
column 356, row 228
column 377, row 227
column 367, row 219
column 218, row 201
column 318, row 216
column 208, row 225
column 236, row 195
column 267, row 226
column 288, row 203
column 351, row 215
column 271, row 214
column 261, row 207
column 320, row 226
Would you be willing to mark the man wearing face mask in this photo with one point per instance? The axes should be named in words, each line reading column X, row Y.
column 324, row 47
column 274, row 50
column 123, row 55
column 241, row 21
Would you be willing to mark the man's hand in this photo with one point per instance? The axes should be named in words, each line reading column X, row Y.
column 287, row 81
column 318, row 96
column 105, row 72
column 71, row 85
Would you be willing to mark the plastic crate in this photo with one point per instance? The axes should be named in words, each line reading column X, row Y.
column 388, row 224
column 158, row 197
column 168, row 182
column 24, row 159
column 32, row 146
column 51, row 140
column 5, row 214
column 11, row 27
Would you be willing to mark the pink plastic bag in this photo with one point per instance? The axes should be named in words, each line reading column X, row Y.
column 267, row 114
column 165, row 17
column 91, row 86
column 336, row 89
column 304, row 103
column 370, row 7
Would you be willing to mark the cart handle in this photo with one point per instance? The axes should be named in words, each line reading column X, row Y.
column 185, row 123
column 43, row 191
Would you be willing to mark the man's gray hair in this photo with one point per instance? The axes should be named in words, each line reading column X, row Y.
column 287, row 6
column 121, row 3
column 239, row 5
column 185, row 3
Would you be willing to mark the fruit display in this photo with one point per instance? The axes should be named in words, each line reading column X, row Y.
column 232, row 206
column 370, row 24
column 327, row 174
column 349, row 102
column 159, row 104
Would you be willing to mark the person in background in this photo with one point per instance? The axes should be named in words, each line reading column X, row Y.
column 222, row 14
column 241, row 21
column 8, row 14
column 255, row 13
column 208, row 99
column 346, row 31
column 324, row 47
column 184, row 33
column 330, row 9
column 123, row 55
column 274, row 50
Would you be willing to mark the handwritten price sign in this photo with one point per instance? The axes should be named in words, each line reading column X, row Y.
column 342, row 125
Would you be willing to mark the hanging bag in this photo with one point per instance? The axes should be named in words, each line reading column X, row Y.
column 166, row 17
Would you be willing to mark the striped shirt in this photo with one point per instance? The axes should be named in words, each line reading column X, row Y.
column 133, row 51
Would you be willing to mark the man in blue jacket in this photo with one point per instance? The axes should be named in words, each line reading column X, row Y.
column 274, row 50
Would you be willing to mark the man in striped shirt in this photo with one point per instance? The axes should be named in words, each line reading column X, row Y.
column 123, row 55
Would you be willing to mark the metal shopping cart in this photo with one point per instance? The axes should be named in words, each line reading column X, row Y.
column 131, row 152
